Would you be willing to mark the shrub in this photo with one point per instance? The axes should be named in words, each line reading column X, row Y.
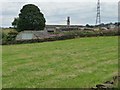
column 10, row 36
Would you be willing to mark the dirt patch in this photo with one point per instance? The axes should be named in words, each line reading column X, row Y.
column 108, row 85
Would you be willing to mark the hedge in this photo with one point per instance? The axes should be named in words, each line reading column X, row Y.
column 67, row 35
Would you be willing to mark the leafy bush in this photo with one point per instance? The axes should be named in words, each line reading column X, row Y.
column 9, row 36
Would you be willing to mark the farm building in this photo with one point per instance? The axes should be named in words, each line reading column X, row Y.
column 60, row 28
column 26, row 35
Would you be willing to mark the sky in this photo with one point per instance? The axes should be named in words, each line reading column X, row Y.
column 81, row 12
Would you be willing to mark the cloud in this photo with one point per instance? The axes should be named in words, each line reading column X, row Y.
column 58, row 0
column 57, row 12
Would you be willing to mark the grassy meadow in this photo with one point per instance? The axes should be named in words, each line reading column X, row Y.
column 75, row 63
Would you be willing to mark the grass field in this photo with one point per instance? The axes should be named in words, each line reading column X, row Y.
column 75, row 63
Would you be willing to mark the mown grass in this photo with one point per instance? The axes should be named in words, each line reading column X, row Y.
column 0, row 66
column 76, row 63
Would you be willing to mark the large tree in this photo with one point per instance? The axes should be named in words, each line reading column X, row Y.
column 30, row 18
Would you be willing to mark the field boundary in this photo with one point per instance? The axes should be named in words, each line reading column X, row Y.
column 56, row 38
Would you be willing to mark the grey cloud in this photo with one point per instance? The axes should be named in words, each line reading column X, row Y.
column 56, row 13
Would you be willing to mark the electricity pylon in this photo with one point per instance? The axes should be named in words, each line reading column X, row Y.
column 98, row 17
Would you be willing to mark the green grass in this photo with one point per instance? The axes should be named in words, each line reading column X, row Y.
column 0, row 66
column 76, row 63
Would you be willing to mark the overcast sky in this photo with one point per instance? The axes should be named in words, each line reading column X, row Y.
column 56, row 11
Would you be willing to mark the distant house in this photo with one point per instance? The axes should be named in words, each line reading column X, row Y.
column 50, row 28
column 59, row 28
column 112, row 26
column 27, row 35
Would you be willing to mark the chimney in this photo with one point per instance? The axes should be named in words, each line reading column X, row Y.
column 68, row 21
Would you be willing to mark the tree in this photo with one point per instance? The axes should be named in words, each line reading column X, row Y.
column 30, row 18
column 15, row 22
column 102, row 24
column 87, row 25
